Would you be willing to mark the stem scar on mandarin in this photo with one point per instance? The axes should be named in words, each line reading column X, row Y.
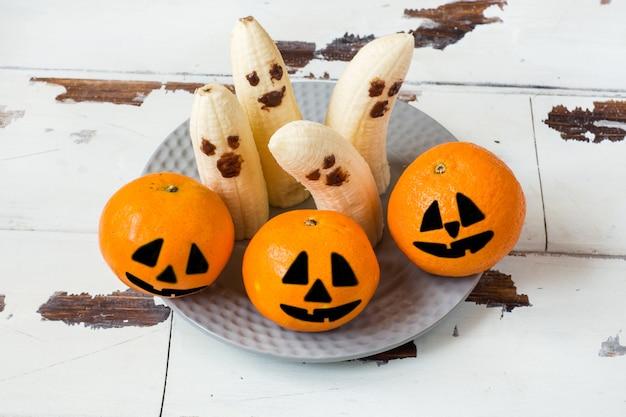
column 310, row 222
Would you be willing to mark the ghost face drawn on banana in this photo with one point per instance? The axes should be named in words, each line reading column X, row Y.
column 264, row 90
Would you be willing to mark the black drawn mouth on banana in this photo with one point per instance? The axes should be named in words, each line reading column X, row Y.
column 229, row 164
column 271, row 98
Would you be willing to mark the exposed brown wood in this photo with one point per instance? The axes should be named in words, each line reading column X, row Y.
column 2, row 304
column 407, row 350
column 345, row 47
column 450, row 22
column 296, row 54
column 112, row 91
column 178, row 86
column 104, row 91
column 495, row 289
column 118, row 309
column 447, row 24
column 607, row 121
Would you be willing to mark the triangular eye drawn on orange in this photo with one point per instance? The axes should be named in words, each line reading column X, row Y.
column 468, row 211
column 432, row 218
column 197, row 263
column 298, row 272
column 469, row 214
column 148, row 254
column 342, row 272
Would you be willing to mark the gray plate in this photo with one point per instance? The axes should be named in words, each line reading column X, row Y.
column 407, row 303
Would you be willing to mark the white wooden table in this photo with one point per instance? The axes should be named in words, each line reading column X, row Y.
column 89, row 90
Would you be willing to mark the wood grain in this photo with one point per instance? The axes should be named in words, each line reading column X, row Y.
column 131, row 93
column 407, row 350
column 118, row 309
column 606, row 121
column 496, row 289
column 450, row 22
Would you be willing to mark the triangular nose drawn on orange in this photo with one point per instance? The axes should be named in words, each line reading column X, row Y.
column 452, row 228
column 167, row 275
column 318, row 293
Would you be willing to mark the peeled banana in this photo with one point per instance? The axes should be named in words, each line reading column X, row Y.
column 364, row 96
column 227, row 158
column 264, row 90
column 333, row 171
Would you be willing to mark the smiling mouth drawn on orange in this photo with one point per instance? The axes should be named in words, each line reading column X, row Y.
column 470, row 214
column 320, row 314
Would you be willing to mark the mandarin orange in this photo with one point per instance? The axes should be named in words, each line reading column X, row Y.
column 166, row 234
column 456, row 210
column 310, row 270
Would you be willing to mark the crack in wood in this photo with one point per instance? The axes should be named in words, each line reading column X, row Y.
column 496, row 289
column 607, row 121
column 115, row 310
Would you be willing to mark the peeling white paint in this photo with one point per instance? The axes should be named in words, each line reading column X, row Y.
column 612, row 347
column 6, row 117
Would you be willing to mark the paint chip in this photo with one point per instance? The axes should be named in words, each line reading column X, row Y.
column 131, row 93
column 118, row 309
column 495, row 289
column 6, row 117
column 441, row 27
column 607, row 121
column 84, row 136
column 345, row 47
column 2, row 303
column 188, row 87
column 449, row 23
column 296, row 54
column 612, row 348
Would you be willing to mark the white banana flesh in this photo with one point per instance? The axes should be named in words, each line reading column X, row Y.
column 336, row 175
column 365, row 95
column 227, row 158
column 264, row 90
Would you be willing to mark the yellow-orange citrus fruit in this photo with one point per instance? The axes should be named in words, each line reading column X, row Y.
column 310, row 270
column 166, row 234
column 456, row 210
